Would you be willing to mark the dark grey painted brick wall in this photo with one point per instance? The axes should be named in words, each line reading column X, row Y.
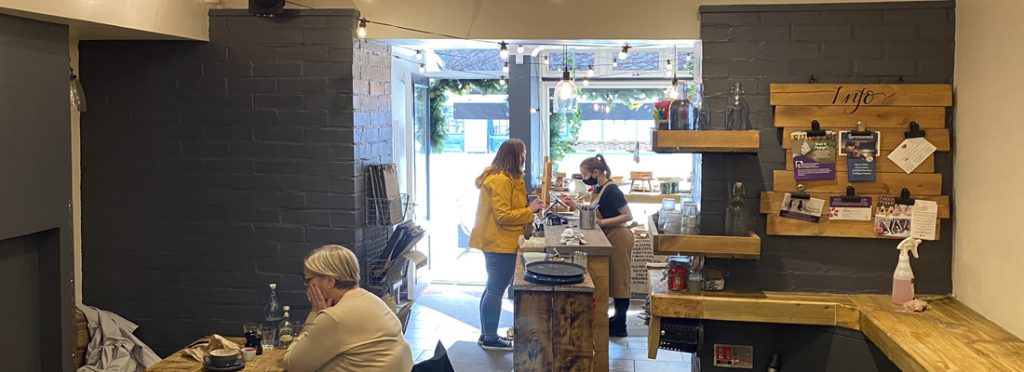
column 868, row 43
column 211, row 169
column 35, row 171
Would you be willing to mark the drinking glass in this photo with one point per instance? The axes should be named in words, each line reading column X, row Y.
column 269, row 339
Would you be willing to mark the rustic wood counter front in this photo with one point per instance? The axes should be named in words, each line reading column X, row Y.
column 598, row 249
column 947, row 337
column 553, row 324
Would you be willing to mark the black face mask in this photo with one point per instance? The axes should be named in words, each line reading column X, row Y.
column 590, row 181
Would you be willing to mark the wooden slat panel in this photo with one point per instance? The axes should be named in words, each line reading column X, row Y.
column 873, row 117
column 690, row 141
column 836, row 229
column 771, row 202
column 887, row 183
column 533, row 352
column 597, row 266
column 571, row 332
column 891, row 138
column 862, row 95
column 782, row 312
column 884, row 164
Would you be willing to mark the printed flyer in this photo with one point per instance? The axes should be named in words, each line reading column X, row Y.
column 802, row 209
column 859, row 210
column 814, row 158
column 861, row 152
column 892, row 219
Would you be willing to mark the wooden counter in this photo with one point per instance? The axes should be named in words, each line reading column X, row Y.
column 270, row 361
column 598, row 250
column 947, row 337
column 553, row 324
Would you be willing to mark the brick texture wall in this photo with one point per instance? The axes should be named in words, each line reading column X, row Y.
column 211, row 168
column 868, row 43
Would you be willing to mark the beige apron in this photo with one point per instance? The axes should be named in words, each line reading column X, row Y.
column 619, row 270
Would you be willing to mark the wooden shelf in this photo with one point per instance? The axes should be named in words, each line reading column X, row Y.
column 651, row 198
column 698, row 141
column 782, row 226
column 885, row 183
column 740, row 247
column 771, row 202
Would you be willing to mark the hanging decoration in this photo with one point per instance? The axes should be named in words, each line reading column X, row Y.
column 565, row 91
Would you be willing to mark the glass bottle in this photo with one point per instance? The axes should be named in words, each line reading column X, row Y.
column 702, row 119
column 737, row 111
column 272, row 313
column 286, row 330
column 736, row 219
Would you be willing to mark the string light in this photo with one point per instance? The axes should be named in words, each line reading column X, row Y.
column 674, row 89
column 546, row 61
column 668, row 73
column 615, row 62
column 423, row 68
column 624, row 52
column 505, row 68
column 504, row 50
column 586, row 82
column 668, row 64
column 590, row 71
column 419, row 55
column 597, row 107
column 501, row 80
column 361, row 31
column 520, row 49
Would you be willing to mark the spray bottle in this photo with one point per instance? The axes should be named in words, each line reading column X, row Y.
column 903, row 278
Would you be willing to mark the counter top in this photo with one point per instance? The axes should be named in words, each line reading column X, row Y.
column 947, row 337
column 597, row 243
column 520, row 284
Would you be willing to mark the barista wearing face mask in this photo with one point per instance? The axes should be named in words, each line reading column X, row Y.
column 612, row 215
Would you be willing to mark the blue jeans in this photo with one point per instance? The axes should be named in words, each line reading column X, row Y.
column 500, row 267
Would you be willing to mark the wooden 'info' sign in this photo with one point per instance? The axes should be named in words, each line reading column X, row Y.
column 887, row 108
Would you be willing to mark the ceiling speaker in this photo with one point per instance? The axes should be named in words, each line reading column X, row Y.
column 266, row 8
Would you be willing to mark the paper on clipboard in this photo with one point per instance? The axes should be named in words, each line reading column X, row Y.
column 911, row 153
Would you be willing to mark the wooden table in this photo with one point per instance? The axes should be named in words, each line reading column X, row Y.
column 948, row 337
column 598, row 250
column 270, row 361
column 553, row 324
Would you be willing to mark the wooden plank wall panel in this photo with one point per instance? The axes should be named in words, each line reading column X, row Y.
column 862, row 95
column 534, row 340
column 771, row 202
column 874, row 117
column 838, row 229
column 884, row 164
column 891, row 138
column 572, row 332
column 887, row 183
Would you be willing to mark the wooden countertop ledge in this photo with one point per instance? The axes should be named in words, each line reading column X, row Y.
column 947, row 337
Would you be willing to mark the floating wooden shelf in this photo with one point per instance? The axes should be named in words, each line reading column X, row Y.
column 771, row 202
column 741, row 247
column 886, row 183
column 651, row 198
column 697, row 141
column 777, row 225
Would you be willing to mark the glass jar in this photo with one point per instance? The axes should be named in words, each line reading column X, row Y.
column 737, row 220
column 737, row 111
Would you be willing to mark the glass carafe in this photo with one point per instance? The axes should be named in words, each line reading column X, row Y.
column 690, row 216
column 737, row 111
column 737, row 221
column 702, row 116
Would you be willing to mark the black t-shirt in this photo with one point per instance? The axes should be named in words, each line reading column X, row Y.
column 611, row 201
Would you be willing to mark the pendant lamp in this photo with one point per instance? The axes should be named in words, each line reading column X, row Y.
column 565, row 90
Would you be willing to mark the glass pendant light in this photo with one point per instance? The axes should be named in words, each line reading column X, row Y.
column 77, row 93
column 565, row 90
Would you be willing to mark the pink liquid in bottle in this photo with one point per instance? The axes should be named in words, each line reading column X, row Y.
column 902, row 290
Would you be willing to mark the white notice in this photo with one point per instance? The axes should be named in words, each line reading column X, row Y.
column 923, row 221
column 911, row 153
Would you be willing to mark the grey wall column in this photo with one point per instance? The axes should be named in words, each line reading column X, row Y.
column 524, row 124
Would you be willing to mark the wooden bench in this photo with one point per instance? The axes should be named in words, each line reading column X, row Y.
column 948, row 337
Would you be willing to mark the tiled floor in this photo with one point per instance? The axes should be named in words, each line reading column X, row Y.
column 449, row 314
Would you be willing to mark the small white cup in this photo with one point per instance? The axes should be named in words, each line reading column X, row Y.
column 248, row 354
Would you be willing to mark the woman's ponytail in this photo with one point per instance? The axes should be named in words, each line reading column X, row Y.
column 604, row 164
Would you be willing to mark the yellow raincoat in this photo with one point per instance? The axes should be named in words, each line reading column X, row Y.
column 501, row 214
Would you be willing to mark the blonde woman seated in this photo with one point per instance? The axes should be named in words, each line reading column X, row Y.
column 349, row 329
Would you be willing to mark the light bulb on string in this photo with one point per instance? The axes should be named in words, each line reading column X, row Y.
column 597, row 107
column 624, row 52
column 419, row 55
column 546, row 61
column 361, row 30
column 505, row 68
column 668, row 64
column 423, row 68
column 673, row 90
column 608, row 109
column 503, row 52
column 615, row 62
column 586, row 82
column 520, row 49
column 668, row 73
column 501, row 80
column 590, row 71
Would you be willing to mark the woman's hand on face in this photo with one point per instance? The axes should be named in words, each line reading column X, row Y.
column 317, row 298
